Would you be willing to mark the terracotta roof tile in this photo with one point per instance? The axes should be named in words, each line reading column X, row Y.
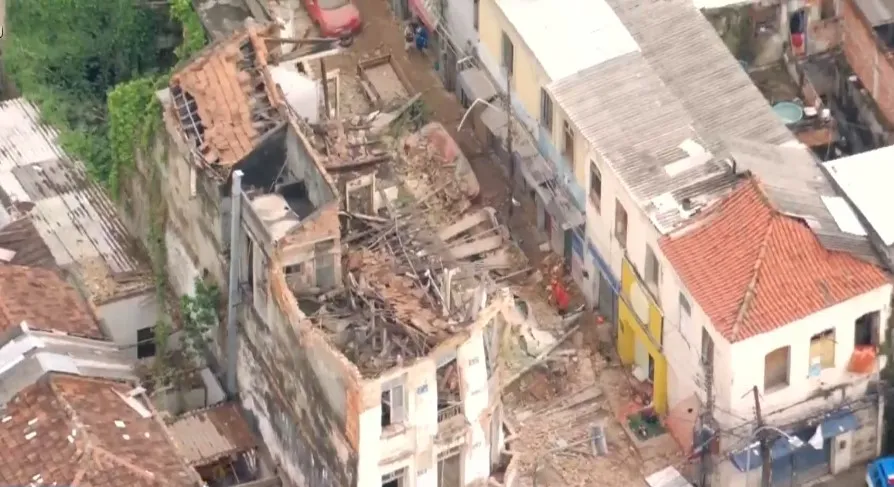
column 78, row 431
column 216, row 82
column 752, row 269
column 46, row 301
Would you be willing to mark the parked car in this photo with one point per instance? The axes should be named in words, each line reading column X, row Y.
column 880, row 473
column 335, row 18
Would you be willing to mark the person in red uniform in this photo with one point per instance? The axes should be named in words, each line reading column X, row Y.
column 560, row 296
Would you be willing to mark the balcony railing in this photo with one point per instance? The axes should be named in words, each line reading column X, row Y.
column 448, row 412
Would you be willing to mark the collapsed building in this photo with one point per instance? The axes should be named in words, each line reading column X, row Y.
column 362, row 320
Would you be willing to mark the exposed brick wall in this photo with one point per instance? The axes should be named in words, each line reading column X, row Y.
column 864, row 55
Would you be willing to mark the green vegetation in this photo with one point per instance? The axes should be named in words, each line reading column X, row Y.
column 92, row 67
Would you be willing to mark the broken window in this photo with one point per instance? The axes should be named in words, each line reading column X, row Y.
column 866, row 329
column 568, row 146
column 621, row 224
column 395, row 479
column 776, row 369
column 707, row 348
column 822, row 351
column 449, row 399
column 546, row 111
column 146, row 342
column 393, row 401
column 508, row 54
column 595, row 186
column 653, row 271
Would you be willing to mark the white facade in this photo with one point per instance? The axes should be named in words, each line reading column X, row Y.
column 412, row 449
column 461, row 17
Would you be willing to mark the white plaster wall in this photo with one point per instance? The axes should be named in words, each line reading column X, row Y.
column 460, row 17
column 122, row 318
column 407, row 445
column 473, row 373
column 797, row 335
column 413, row 445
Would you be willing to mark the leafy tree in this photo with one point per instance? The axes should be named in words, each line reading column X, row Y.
column 65, row 55
column 199, row 314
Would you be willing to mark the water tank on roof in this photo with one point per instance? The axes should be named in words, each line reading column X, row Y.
column 790, row 113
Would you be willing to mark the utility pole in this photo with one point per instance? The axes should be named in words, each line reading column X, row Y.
column 706, row 420
column 509, row 144
column 233, row 284
column 766, row 468
column 325, row 80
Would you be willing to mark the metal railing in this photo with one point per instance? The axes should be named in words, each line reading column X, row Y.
column 448, row 412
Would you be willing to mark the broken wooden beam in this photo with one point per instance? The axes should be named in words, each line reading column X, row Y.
column 477, row 247
column 464, row 224
column 358, row 163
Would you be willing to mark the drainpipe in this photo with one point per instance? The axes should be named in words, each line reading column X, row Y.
column 233, row 283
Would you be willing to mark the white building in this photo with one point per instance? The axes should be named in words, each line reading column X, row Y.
column 762, row 304
column 670, row 136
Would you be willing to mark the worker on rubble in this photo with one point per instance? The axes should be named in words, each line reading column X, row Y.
column 559, row 296
column 421, row 37
column 410, row 35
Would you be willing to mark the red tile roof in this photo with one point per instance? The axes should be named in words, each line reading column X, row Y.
column 45, row 301
column 78, row 431
column 219, row 80
column 752, row 269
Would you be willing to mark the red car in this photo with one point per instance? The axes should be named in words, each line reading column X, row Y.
column 335, row 18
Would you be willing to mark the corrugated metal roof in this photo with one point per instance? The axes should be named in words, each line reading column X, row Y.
column 796, row 185
column 567, row 36
column 864, row 178
column 643, row 131
column 75, row 218
column 208, row 435
column 693, row 62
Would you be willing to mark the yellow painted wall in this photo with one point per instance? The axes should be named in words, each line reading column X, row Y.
column 528, row 76
column 631, row 330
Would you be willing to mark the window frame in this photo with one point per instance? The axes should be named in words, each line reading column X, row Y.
column 683, row 305
column 820, row 343
column 146, row 347
column 507, row 54
column 596, row 198
column 395, row 388
column 707, row 348
column 546, row 110
column 778, row 383
column 476, row 15
column 568, row 141
column 653, row 271
column 621, row 223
